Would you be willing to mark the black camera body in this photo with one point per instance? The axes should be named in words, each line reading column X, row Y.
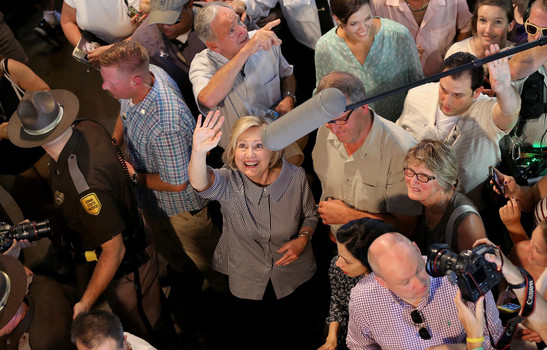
column 469, row 270
column 31, row 231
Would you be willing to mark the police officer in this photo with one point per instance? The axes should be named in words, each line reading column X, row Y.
column 93, row 201
column 31, row 305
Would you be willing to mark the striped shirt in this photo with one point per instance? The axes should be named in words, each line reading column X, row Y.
column 257, row 222
column 379, row 319
column 158, row 133
column 540, row 212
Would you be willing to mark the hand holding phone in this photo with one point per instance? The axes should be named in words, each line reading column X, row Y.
column 498, row 184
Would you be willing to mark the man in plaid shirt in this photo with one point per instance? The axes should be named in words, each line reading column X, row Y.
column 157, row 127
column 399, row 306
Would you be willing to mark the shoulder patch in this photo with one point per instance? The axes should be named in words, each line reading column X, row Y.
column 91, row 203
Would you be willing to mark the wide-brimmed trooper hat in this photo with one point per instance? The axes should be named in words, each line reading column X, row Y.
column 41, row 117
column 13, row 287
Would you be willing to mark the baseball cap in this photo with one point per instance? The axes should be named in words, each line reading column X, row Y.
column 165, row 11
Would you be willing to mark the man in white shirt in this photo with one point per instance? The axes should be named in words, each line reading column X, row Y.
column 454, row 110
column 239, row 73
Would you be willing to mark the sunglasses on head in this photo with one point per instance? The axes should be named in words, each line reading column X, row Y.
column 532, row 29
column 418, row 320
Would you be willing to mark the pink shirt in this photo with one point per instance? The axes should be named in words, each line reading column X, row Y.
column 442, row 19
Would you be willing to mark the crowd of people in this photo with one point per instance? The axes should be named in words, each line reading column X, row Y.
column 186, row 177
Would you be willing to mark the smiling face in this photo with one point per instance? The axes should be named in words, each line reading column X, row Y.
column 537, row 248
column 348, row 263
column 230, row 33
column 251, row 157
column 455, row 95
column 358, row 26
column 493, row 26
column 419, row 191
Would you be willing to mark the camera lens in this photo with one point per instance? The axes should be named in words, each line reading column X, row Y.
column 33, row 231
column 440, row 259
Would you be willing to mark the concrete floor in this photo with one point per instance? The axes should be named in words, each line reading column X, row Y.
column 60, row 71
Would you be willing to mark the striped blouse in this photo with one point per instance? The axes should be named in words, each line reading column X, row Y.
column 257, row 222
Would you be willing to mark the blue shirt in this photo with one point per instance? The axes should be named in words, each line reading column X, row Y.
column 158, row 133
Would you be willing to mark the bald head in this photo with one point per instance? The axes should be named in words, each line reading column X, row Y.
column 386, row 247
column 399, row 267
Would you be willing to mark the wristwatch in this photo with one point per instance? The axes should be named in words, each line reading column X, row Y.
column 288, row 93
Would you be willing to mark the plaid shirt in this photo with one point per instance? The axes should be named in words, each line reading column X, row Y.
column 381, row 320
column 158, row 133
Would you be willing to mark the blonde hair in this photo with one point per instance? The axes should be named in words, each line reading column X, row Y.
column 438, row 157
column 243, row 124
column 127, row 57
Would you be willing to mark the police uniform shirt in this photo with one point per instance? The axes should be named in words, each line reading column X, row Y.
column 46, row 325
column 97, row 214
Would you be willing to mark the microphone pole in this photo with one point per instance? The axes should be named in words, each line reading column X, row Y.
column 479, row 62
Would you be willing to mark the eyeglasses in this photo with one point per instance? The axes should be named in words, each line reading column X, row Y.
column 532, row 29
column 423, row 178
column 418, row 320
column 341, row 121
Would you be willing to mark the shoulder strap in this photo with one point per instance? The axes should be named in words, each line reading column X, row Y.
column 76, row 174
column 18, row 90
column 459, row 211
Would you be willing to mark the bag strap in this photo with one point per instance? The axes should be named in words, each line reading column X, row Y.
column 18, row 90
column 459, row 211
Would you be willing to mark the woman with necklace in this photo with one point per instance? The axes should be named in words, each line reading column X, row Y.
column 269, row 217
column 379, row 51
column 449, row 216
column 491, row 22
column 434, row 25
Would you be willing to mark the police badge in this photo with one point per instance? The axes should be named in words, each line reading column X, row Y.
column 59, row 197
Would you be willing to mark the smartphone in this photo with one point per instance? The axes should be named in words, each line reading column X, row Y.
column 509, row 308
column 496, row 180
column 132, row 11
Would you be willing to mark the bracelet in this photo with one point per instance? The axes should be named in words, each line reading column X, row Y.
column 306, row 234
column 475, row 340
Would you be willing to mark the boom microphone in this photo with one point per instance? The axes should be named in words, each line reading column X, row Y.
column 326, row 105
